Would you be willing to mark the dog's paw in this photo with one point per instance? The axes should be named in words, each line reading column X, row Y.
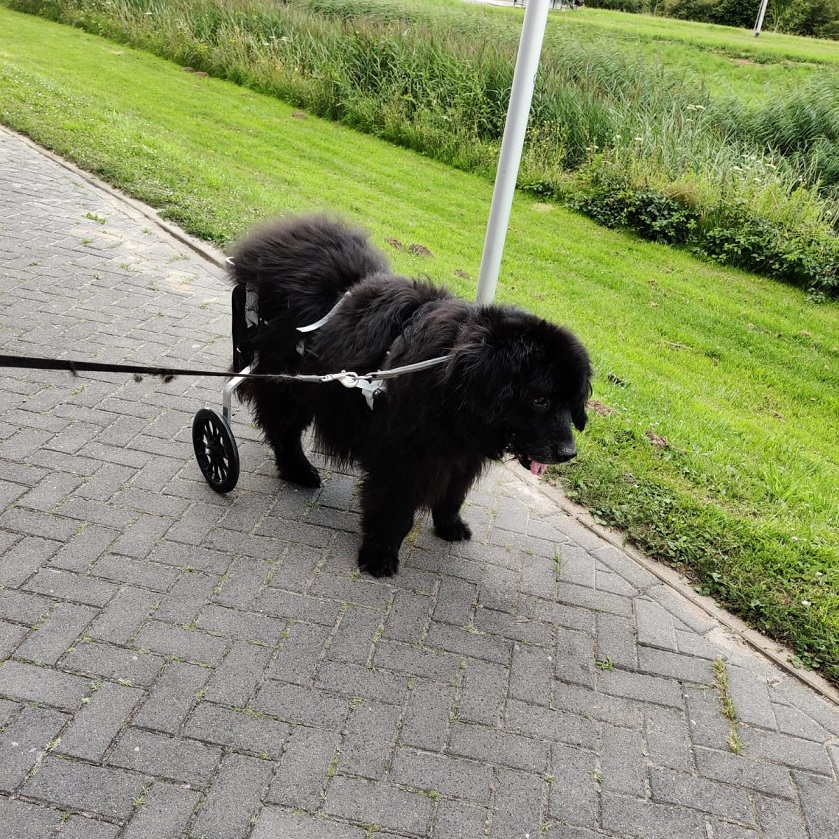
column 453, row 531
column 304, row 476
column 378, row 563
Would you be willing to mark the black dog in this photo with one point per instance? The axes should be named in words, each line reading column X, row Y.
column 509, row 381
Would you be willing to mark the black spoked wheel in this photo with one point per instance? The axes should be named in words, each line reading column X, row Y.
column 215, row 450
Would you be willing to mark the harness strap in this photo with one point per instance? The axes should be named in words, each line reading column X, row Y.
column 327, row 317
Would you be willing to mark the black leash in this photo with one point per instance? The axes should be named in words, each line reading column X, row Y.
column 348, row 379
column 28, row 362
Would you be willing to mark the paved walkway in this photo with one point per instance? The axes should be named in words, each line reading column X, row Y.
column 179, row 664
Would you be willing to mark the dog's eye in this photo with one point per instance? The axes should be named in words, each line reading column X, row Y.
column 540, row 402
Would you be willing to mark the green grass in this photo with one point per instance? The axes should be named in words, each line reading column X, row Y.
column 719, row 391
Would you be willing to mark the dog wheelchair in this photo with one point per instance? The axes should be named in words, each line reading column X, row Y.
column 212, row 439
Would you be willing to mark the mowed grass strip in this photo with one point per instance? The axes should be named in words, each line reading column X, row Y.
column 713, row 442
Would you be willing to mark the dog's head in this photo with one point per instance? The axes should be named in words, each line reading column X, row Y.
column 526, row 379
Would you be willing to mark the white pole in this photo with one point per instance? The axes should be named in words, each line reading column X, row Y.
column 521, row 95
column 761, row 12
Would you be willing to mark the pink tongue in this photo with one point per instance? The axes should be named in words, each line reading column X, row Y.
column 538, row 469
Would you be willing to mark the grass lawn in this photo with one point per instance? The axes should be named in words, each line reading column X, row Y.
column 715, row 445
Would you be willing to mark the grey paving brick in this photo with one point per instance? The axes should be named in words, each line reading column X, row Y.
column 66, row 585
column 24, row 742
column 683, row 668
column 183, row 602
column 303, row 607
column 616, row 641
column 655, row 625
column 369, row 738
column 798, row 724
column 819, row 801
column 234, row 798
column 499, row 589
column 52, row 637
column 728, row 830
column 456, row 600
column 615, row 710
column 23, row 607
column 681, row 608
column 448, row 776
column 668, row 738
column 498, row 747
column 25, row 558
column 459, row 819
column 424, row 662
column 135, row 572
column 353, row 680
column 172, row 696
column 50, row 491
column 299, row 656
column 531, row 674
column 241, row 624
column 175, row 759
column 518, row 804
column 575, row 657
column 234, row 681
column 639, row 686
column 124, row 615
column 709, row 796
column 132, row 667
column 274, row 822
column 779, row 819
column 298, row 705
column 164, row 814
column 552, row 725
column 353, row 638
column 622, row 762
column 192, row 645
column 23, row 820
column 428, row 715
column 483, row 693
column 739, row 770
column 576, row 566
column 141, row 536
column 41, row 684
column 239, row 729
column 308, row 760
column 409, row 617
column 574, row 791
column 83, row 827
column 514, row 627
column 751, row 698
column 10, row 636
column 204, row 559
column 468, row 641
column 658, row 821
column 97, row 724
column 381, row 804
column 82, row 787
column 788, row 751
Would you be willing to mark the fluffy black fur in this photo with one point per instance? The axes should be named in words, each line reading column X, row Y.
column 511, row 382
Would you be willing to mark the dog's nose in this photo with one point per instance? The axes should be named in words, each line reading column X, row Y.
column 565, row 453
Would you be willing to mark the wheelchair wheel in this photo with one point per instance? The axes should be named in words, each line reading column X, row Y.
column 215, row 450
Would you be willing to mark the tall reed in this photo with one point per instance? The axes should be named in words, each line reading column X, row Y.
column 629, row 142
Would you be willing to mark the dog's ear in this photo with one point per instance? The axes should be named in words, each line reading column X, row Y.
column 485, row 367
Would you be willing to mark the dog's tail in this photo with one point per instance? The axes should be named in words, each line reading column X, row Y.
column 301, row 266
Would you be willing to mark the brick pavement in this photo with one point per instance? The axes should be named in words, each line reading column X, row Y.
column 179, row 664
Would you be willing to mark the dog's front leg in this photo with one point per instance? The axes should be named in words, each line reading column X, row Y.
column 387, row 515
column 448, row 524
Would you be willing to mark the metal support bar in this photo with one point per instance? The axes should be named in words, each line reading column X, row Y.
column 227, row 392
column 521, row 95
